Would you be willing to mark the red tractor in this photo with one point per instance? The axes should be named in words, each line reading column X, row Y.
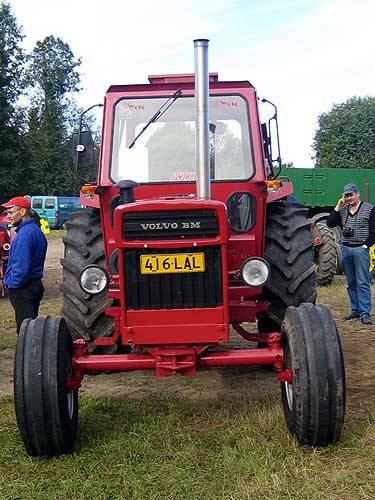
column 4, row 250
column 187, row 236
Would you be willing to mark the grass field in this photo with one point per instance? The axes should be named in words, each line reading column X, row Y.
column 56, row 233
column 170, row 447
column 159, row 448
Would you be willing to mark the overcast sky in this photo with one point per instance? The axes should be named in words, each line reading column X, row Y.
column 303, row 55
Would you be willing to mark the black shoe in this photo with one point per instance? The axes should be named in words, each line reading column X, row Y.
column 352, row 315
column 366, row 320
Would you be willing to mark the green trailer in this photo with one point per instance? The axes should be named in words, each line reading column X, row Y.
column 320, row 188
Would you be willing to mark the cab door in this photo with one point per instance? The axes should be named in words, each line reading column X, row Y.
column 49, row 212
column 38, row 205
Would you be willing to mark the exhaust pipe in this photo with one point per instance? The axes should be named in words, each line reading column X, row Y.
column 202, row 150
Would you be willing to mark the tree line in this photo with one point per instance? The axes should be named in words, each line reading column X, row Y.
column 38, row 113
column 345, row 137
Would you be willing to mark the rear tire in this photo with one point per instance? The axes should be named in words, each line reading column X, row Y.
column 47, row 414
column 289, row 251
column 314, row 403
column 339, row 263
column 326, row 256
column 84, row 245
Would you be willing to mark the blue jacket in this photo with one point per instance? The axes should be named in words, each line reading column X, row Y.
column 26, row 255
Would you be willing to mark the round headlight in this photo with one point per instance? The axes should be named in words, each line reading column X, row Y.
column 255, row 271
column 93, row 279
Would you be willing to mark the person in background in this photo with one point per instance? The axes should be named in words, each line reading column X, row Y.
column 42, row 223
column 33, row 213
column 23, row 277
column 357, row 220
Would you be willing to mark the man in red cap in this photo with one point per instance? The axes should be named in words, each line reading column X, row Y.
column 26, row 261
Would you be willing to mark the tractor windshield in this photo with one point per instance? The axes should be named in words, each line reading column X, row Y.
column 165, row 151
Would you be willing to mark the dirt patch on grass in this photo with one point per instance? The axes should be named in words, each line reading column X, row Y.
column 53, row 270
column 357, row 339
column 6, row 372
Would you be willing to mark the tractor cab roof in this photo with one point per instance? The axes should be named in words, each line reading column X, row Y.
column 184, row 81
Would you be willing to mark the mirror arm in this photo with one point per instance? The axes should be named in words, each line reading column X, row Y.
column 274, row 117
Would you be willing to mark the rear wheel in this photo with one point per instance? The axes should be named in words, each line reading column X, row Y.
column 339, row 263
column 47, row 413
column 84, row 245
column 314, row 403
column 325, row 255
column 289, row 251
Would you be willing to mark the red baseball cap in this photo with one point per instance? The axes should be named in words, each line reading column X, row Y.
column 17, row 201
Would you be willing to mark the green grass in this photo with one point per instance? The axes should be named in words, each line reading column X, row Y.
column 8, row 324
column 171, row 448
column 334, row 293
column 56, row 233
column 156, row 448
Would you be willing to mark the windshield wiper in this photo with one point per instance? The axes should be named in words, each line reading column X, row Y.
column 163, row 108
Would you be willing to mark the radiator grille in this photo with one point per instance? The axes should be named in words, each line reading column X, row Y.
column 170, row 225
column 173, row 291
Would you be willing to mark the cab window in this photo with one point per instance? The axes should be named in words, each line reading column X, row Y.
column 49, row 203
column 37, row 203
column 165, row 149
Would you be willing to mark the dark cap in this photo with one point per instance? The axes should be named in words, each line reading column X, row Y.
column 350, row 188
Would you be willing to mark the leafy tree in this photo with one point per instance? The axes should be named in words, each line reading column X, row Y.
column 53, row 74
column 13, row 154
column 346, row 135
column 170, row 149
column 226, row 149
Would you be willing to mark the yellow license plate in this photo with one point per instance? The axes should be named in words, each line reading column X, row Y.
column 172, row 263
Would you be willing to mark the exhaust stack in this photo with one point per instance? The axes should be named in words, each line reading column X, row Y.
column 202, row 150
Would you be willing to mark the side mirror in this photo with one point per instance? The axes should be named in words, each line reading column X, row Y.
column 83, row 149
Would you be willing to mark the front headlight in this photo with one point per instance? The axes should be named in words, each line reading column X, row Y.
column 255, row 271
column 93, row 279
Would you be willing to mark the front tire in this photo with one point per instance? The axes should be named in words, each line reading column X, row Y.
column 47, row 414
column 314, row 403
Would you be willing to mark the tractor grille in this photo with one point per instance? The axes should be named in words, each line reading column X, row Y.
column 175, row 290
column 170, row 225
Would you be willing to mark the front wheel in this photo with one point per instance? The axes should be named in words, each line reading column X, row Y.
column 47, row 413
column 314, row 403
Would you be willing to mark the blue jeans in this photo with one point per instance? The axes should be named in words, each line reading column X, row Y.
column 356, row 261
